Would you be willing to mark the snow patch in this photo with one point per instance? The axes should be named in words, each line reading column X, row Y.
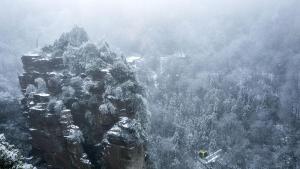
column 132, row 59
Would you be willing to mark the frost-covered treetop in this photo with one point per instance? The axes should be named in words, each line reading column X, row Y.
column 75, row 38
column 10, row 158
column 82, row 56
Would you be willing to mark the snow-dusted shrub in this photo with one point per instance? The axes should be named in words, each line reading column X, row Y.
column 54, row 84
column 87, row 59
column 74, row 134
column 106, row 54
column 59, row 106
column 84, row 159
column 76, row 83
column 111, row 108
column 87, row 84
column 90, row 56
column 107, row 108
column 121, row 72
column 131, row 87
column 75, row 38
column 67, row 91
column 51, row 105
column 89, row 51
column 103, row 109
column 118, row 92
column 41, row 85
column 11, row 158
column 30, row 90
column 75, row 106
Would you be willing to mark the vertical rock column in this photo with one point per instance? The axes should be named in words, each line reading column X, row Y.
column 55, row 138
column 85, row 112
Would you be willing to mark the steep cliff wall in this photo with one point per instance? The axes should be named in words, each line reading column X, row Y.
column 84, row 106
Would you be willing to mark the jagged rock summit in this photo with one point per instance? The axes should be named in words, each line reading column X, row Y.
column 84, row 107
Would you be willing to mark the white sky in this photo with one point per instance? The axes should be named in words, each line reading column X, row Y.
column 131, row 24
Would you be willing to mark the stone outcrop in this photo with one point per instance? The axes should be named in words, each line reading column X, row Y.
column 123, row 145
column 84, row 106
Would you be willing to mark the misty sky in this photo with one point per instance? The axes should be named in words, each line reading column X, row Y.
column 155, row 26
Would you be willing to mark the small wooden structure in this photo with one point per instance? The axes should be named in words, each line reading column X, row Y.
column 203, row 153
column 206, row 159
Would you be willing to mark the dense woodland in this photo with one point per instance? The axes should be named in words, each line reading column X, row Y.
column 242, row 111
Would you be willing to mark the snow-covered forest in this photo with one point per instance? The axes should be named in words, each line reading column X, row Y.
column 190, row 75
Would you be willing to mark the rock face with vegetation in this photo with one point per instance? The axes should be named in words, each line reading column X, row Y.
column 10, row 157
column 84, row 106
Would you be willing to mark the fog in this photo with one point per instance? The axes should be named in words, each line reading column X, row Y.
column 151, row 28
column 242, row 57
column 138, row 26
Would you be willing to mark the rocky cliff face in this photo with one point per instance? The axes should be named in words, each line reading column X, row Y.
column 84, row 106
